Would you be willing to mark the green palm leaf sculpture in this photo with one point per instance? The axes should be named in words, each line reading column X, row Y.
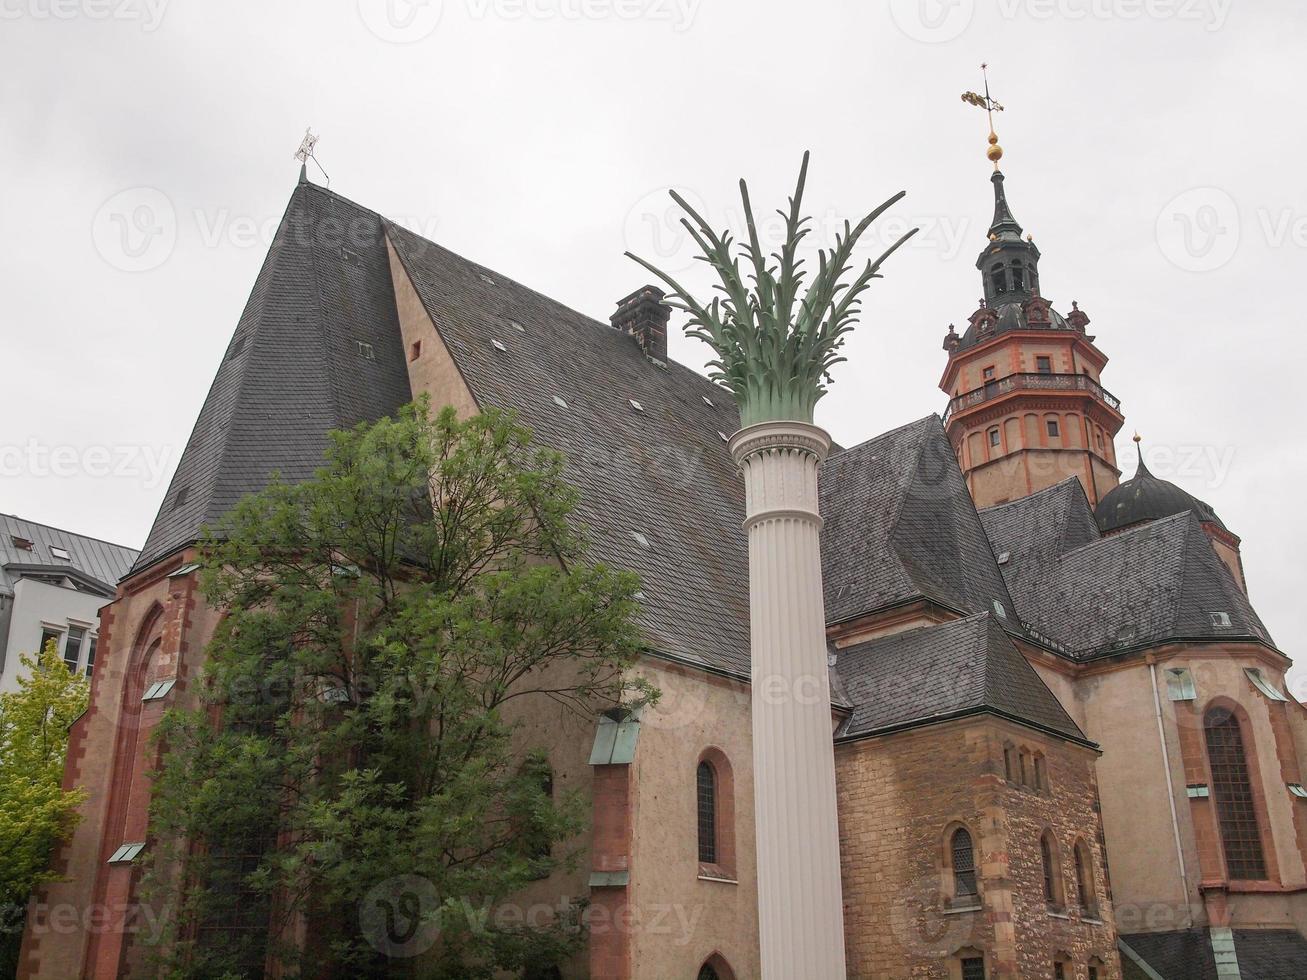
column 775, row 347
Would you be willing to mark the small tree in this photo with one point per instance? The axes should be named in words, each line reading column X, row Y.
column 35, row 811
column 362, row 790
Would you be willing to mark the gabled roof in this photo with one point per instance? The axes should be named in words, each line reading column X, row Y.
column 900, row 525
column 962, row 667
column 293, row 370
column 96, row 565
column 1153, row 582
column 662, row 472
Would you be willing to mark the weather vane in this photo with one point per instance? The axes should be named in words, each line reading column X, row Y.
column 986, row 102
column 305, row 153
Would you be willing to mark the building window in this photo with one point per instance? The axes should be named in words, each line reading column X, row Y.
column 90, row 656
column 47, row 635
column 989, row 373
column 706, row 972
column 73, row 648
column 1053, row 429
column 973, row 968
column 1041, row 778
column 1059, row 970
column 716, row 968
column 1044, row 365
column 707, row 814
column 415, row 350
column 998, row 280
column 1232, row 787
column 1052, row 875
column 1085, row 878
column 1018, row 276
column 993, row 437
column 1007, row 763
column 1021, row 762
column 1093, row 972
column 964, row 865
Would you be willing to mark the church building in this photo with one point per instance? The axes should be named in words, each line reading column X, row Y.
column 1063, row 743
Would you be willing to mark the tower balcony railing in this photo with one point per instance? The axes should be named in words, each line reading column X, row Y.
column 1031, row 382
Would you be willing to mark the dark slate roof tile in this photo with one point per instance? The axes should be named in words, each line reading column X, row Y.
column 936, row 672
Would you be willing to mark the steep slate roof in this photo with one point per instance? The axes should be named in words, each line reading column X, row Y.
column 1186, row 954
column 100, row 563
column 900, row 525
column 662, row 472
column 962, row 667
column 293, row 370
column 1093, row 594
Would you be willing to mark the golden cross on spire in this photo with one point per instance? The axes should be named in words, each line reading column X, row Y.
column 986, row 102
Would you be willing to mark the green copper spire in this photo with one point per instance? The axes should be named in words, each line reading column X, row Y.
column 775, row 347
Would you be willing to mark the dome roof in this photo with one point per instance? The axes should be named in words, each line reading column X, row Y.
column 1146, row 498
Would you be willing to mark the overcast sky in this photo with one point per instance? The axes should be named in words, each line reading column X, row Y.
column 1154, row 148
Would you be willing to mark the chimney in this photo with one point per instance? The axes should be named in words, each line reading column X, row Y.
column 644, row 316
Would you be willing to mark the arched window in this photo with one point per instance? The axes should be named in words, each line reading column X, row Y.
column 998, row 279
column 715, row 967
column 1085, row 878
column 1231, row 786
column 707, row 781
column 1041, row 773
column 1018, row 276
column 963, row 854
column 1052, row 874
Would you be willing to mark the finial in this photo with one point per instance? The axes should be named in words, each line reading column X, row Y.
column 305, row 153
column 1075, row 306
column 995, row 152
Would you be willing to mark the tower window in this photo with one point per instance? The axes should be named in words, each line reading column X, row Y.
column 707, row 803
column 1044, row 365
column 989, row 373
column 964, row 865
column 1085, row 878
column 973, row 968
column 1018, row 276
column 1052, row 428
column 1231, row 785
column 415, row 350
column 993, row 437
column 998, row 279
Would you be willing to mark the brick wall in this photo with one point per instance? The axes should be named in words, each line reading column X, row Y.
column 900, row 796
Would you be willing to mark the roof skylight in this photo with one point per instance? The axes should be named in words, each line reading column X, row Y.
column 725, row 437
column 640, row 539
column 60, row 553
column 636, row 405
column 486, row 279
column 498, row 345
column 126, row 853
column 516, row 326
column 707, row 401
column 365, row 350
column 558, row 400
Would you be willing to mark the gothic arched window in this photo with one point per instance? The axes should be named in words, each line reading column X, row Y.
column 707, row 808
column 1232, row 787
column 963, row 854
column 1085, row 878
column 1047, row 854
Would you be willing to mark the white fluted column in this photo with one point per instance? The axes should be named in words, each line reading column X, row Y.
column 800, row 909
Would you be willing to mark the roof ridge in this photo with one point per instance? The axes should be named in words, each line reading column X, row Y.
column 1028, row 497
column 888, row 432
column 1133, row 529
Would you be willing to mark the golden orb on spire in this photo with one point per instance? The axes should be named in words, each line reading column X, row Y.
column 1138, row 437
column 995, row 152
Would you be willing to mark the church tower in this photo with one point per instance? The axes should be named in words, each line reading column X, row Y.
column 1026, row 408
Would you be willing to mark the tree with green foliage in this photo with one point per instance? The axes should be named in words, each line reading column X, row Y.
column 35, row 811
column 350, row 773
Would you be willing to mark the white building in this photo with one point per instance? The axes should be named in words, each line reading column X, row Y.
column 52, row 584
